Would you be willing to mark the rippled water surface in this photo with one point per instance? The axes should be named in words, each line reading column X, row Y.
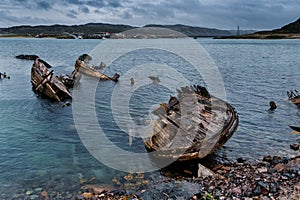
column 39, row 143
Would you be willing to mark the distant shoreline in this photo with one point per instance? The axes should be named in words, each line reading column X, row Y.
column 44, row 36
column 263, row 36
column 245, row 36
column 14, row 36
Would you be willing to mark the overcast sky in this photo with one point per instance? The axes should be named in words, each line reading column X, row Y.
column 221, row 14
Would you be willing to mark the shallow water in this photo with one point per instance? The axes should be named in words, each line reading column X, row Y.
column 40, row 146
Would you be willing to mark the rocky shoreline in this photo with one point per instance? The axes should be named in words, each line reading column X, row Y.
column 273, row 177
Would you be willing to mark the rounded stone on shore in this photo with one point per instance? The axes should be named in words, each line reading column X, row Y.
column 88, row 195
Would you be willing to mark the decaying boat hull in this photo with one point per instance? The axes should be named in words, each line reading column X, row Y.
column 294, row 97
column 46, row 84
column 80, row 66
column 194, row 127
column 295, row 128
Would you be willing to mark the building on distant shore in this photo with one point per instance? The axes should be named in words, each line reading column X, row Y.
column 238, row 30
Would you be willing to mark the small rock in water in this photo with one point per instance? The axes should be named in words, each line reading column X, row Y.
column 67, row 104
column 241, row 160
column 155, row 79
column 273, row 105
column 132, row 81
column 29, row 192
column 294, row 147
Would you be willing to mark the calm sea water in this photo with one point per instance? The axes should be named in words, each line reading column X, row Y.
column 39, row 145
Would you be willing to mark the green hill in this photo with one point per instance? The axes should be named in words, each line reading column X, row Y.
column 93, row 28
column 193, row 31
column 290, row 31
column 90, row 28
column 293, row 27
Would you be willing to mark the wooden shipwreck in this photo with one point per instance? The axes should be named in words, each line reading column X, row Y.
column 191, row 125
column 295, row 128
column 46, row 84
column 294, row 97
column 85, row 69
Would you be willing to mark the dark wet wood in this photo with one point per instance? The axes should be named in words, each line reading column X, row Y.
column 27, row 57
column 46, row 84
column 295, row 128
column 85, row 69
column 192, row 125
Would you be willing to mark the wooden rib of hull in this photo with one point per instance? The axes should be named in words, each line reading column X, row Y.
column 296, row 100
column 46, row 84
column 89, row 71
column 205, row 140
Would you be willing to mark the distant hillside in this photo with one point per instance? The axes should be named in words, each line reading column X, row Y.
column 293, row 27
column 90, row 28
column 290, row 31
column 193, row 31
column 93, row 28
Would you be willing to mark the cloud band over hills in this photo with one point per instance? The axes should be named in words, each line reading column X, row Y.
column 260, row 14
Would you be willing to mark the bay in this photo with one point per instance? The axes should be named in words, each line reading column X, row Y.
column 40, row 146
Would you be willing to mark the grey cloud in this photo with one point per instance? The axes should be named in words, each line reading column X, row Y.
column 249, row 14
column 7, row 16
column 70, row 15
column 114, row 4
column 97, row 4
column 127, row 15
column 84, row 9
column 43, row 5
column 259, row 14
column 97, row 12
column 20, row 1
column 75, row 2
column 32, row 4
column 73, row 12
column 153, row 11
